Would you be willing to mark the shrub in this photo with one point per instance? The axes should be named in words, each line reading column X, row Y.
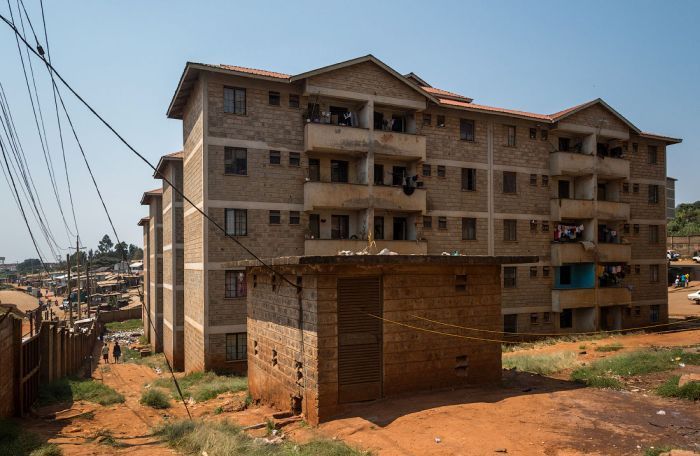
column 73, row 389
column 155, row 398
column 543, row 364
column 610, row 347
column 203, row 386
column 128, row 325
column 15, row 441
column 689, row 391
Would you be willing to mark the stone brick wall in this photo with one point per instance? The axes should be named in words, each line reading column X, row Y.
column 155, row 233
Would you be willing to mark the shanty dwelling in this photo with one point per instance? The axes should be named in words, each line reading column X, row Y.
column 362, row 338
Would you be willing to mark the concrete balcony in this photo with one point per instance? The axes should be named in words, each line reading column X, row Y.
column 571, row 252
column 613, row 168
column 334, row 138
column 394, row 198
column 614, row 253
column 400, row 146
column 571, row 164
column 612, row 210
column 573, row 298
column 613, row 296
column 330, row 247
column 562, row 208
column 334, row 195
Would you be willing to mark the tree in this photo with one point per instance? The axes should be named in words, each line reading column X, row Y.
column 687, row 220
column 135, row 252
column 105, row 245
column 29, row 265
column 121, row 249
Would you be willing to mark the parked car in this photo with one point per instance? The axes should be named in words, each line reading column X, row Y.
column 695, row 297
column 672, row 255
column 696, row 258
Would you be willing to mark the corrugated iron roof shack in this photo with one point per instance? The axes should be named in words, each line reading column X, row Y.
column 355, row 345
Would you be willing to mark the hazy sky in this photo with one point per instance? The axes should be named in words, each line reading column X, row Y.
column 125, row 57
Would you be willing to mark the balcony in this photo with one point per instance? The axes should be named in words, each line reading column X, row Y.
column 335, row 195
column 394, row 199
column 613, row 168
column 400, row 146
column 335, row 138
column 573, row 298
column 563, row 208
column 571, row 164
column 571, row 252
column 614, row 253
column 330, row 247
column 613, row 296
column 612, row 210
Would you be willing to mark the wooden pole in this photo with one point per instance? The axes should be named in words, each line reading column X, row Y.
column 77, row 262
column 70, row 304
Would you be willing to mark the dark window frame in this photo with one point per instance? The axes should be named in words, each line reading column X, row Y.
column 294, row 100
column 511, row 139
column 510, row 277
column 426, row 170
column 442, row 223
column 468, row 229
column 441, row 171
column 275, row 157
column 467, row 130
column 294, row 217
column 510, row 230
column 429, row 225
column 238, row 214
column 233, row 164
column 469, row 179
column 236, row 347
column 294, row 159
column 510, row 182
column 234, row 103
column 235, row 285
column 274, row 217
column 274, row 98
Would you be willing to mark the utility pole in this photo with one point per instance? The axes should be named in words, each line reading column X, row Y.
column 70, row 304
column 87, row 281
column 77, row 262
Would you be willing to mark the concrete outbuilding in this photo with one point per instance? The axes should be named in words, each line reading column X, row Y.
column 361, row 339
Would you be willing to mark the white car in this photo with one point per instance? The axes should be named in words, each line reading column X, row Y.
column 696, row 259
column 695, row 297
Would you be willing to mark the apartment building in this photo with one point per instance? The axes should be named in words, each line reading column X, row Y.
column 153, row 268
column 356, row 155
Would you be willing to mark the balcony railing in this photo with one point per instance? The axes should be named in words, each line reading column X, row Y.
column 335, row 195
column 614, row 253
column 395, row 199
column 573, row 298
column 563, row 208
column 571, row 164
column 329, row 247
column 612, row 168
column 571, row 252
column 612, row 210
column 401, row 146
column 614, row 296
column 335, row 138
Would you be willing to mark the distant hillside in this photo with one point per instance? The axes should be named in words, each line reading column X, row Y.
column 687, row 220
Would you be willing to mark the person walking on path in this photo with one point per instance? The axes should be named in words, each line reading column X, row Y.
column 116, row 351
column 105, row 353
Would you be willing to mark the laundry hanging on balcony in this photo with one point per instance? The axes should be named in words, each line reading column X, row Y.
column 568, row 233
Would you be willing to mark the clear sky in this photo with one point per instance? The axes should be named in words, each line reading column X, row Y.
column 126, row 57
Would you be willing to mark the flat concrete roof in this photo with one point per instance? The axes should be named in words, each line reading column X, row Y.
column 447, row 260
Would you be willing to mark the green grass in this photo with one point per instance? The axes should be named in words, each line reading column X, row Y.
column 203, row 386
column 605, row 373
column 543, row 364
column 656, row 451
column 223, row 438
column 610, row 347
column 551, row 341
column 689, row 391
column 16, row 442
column 128, row 325
column 73, row 389
column 156, row 398
column 134, row 356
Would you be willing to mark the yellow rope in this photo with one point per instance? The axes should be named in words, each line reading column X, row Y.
column 553, row 334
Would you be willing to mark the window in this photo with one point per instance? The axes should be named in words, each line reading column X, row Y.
column 635, row 147
column 236, row 347
column 441, row 171
column 545, row 317
column 510, row 129
column 427, row 119
column 315, row 226
column 378, row 174
column 510, row 323
column 466, row 130
column 652, row 155
column 534, row 319
column 339, row 171
column 545, row 227
column 340, row 226
column 293, row 100
column 653, row 234
column 509, row 182
column 566, row 318
column 510, row 230
column 637, row 311
column 426, row 170
column 533, row 179
column 545, row 271
column 235, row 284
column 533, row 272
column 235, row 161
column 234, row 100
column 564, row 144
column 635, row 188
column 533, row 226
column 544, row 134
column 545, row 180
column 442, row 223
column 626, row 228
column 653, row 273
column 294, row 159
column 379, row 228
column 427, row 223
column 533, row 133
column 461, row 282
column 275, row 217
column 469, row 179
column 636, row 228
column 654, row 312
column 441, row 121
column 398, row 174
column 275, row 157
column 565, row 275
column 294, row 217
column 273, row 98
column 469, row 229
column 625, row 187
column 653, row 194
column 637, row 269
column 510, row 277
column 236, row 222
column 314, row 169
